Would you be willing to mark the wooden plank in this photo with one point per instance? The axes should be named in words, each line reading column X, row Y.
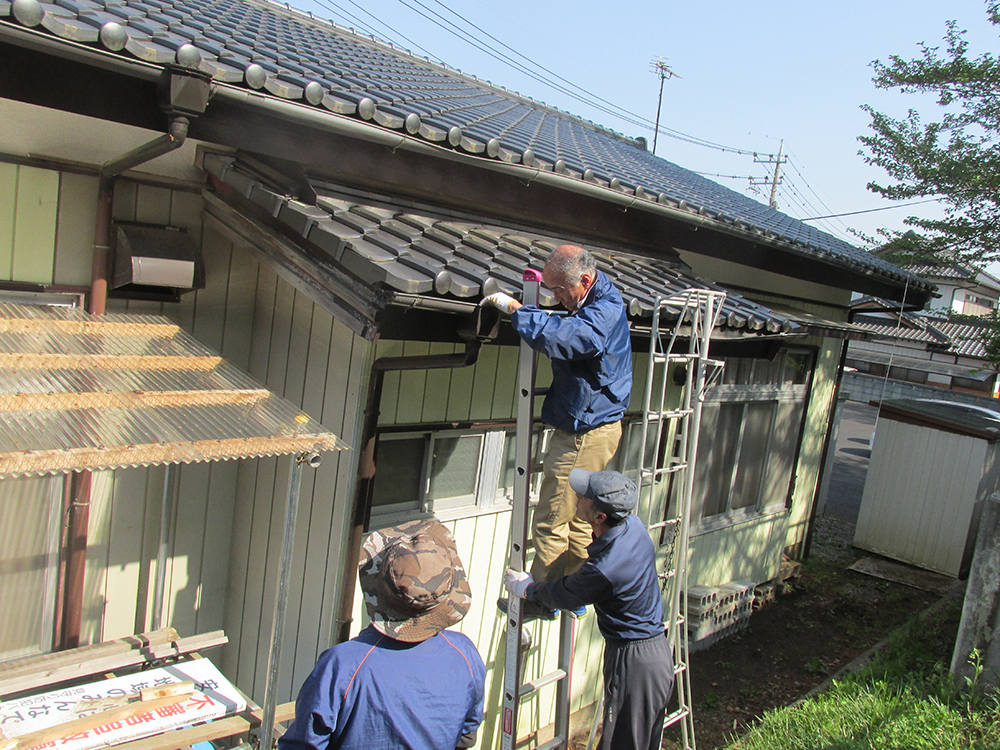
column 503, row 401
column 241, row 295
column 459, row 405
column 390, row 383
column 8, row 205
column 75, row 229
column 178, row 693
column 106, row 362
column 54, row 673
column 227, row 727
column 123, row 612
column 35, row 225
column 128, row 399
column 91, row 327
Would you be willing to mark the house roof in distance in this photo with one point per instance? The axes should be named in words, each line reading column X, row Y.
column 277, row 52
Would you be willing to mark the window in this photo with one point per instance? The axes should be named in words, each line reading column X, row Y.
column 750, row 430
column 450, row 470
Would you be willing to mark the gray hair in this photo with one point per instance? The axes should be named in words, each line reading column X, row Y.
column 571, row 262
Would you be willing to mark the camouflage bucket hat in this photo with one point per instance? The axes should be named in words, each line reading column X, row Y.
column 413, row 580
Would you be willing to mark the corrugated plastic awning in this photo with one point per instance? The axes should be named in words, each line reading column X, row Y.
column 80, row 391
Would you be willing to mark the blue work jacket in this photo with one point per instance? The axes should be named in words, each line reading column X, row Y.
column 591, row 355
column 619, row 579
column 374, row 692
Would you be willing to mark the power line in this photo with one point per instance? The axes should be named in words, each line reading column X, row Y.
column 871, row 210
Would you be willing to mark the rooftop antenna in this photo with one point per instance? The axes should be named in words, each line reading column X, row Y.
column 660, row 68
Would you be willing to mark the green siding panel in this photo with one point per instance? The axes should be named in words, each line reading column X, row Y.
column 35, row 225
column 75, row 232
column 8, row 207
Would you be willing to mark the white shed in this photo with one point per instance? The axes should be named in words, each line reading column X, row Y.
column 932, row 464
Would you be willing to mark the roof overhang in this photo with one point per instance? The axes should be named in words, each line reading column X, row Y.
column 365, row 155
column 80, row 391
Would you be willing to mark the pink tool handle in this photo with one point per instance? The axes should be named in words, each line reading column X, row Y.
column 530, row 274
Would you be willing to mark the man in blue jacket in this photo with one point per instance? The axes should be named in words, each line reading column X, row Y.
column 620, row 580
column 591, row 355
column 404, row 681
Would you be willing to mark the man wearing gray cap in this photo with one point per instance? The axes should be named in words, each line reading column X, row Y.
column 619, row 579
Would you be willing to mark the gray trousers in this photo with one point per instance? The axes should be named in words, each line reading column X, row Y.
column 638, row 683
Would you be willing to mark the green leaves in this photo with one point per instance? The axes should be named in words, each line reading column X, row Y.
column 954, row 155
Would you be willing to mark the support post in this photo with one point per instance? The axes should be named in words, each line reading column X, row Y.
column 981, row 612
column 281, row 599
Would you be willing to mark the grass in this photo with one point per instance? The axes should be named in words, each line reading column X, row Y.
column 905, row 699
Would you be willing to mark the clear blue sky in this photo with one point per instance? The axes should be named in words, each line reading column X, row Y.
column 751, row 75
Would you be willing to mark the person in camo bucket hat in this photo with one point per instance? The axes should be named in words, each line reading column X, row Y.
column 404, row 680
column 413, row 580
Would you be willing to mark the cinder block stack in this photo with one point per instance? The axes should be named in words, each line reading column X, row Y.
column 715, row 612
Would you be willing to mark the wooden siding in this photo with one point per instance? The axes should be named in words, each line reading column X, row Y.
column 921, row 493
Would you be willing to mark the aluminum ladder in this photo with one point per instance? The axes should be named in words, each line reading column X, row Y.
column 670, row 431
column 514, row 692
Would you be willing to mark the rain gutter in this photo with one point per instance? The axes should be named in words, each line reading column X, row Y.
column 485, row 321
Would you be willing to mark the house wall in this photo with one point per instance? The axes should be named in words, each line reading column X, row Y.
column 227, row 527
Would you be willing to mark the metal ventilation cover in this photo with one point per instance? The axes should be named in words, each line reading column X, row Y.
column 156, row 259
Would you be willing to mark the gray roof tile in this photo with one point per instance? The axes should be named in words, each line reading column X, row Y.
column 415, row 253
column 294, row 49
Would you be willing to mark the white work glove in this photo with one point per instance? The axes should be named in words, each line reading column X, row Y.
column 516, row 582
column 500, row 301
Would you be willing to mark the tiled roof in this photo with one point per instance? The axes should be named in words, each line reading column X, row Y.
column 411, row 252
column 290, row 55
column 960, row 338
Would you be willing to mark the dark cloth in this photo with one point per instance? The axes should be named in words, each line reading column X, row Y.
column 638, row 683
column 591, row 355
column 618, row 578
column 376, row 692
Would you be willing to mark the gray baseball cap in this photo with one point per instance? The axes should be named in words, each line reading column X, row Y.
column 614, row 493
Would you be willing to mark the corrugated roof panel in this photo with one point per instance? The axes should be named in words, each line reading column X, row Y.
column 79, row 391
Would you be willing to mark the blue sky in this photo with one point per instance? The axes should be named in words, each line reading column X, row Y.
column 751, row 75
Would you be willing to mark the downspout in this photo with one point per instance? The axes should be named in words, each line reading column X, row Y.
column 183, row 93
column 484, row 325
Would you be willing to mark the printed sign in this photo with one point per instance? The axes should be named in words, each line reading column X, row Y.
column 214, row 696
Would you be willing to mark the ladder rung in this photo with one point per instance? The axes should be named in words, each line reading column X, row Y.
column 661, row 524
column 656, row 416
column 553, row 743
column 678, row 668
column 529, row 688
column 674, row 717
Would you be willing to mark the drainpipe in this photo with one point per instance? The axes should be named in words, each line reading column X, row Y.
column 183, row 94
column 484, row 324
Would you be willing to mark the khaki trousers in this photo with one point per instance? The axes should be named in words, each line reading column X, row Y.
column 560, row 538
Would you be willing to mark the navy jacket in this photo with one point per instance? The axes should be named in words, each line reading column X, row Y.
column 376, row 693
column 591, row 357
column 619, row 579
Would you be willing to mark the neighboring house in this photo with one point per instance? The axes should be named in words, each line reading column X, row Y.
column 918, row 349
column 962, row 288
column 326, row 211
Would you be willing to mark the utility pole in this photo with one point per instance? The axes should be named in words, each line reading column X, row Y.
column 663, row 70
column 777, row 162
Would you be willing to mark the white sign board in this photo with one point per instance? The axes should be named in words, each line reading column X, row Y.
column 213, row 696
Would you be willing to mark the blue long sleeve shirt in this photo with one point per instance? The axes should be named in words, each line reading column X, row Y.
column 375, row 692
column 591, row 355
column 619, row 579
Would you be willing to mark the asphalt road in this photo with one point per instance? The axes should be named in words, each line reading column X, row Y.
column 850, row 461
